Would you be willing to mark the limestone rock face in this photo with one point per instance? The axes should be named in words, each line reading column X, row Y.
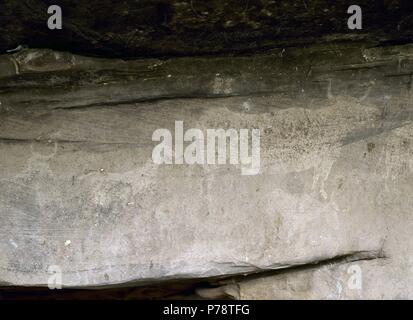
column 79, row 188
column 379, row 280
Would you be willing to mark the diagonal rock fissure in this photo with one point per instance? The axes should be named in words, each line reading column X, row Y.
column 218, row 287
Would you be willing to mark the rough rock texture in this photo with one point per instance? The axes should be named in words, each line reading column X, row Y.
column 78, row 187
column 380, row 280
column 187, row 27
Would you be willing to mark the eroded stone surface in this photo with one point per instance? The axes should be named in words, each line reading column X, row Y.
column 78, row 187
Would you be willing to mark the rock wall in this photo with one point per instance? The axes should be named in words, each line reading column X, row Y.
column 332, row 199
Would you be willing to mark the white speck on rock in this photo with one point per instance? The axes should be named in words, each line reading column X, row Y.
column 14, row 244
column 67, row 243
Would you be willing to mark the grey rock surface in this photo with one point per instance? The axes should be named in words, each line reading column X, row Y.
column 380, row 279
column 79, row 189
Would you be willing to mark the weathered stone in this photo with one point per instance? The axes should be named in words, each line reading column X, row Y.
column 79, row 189
column 379, row 280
